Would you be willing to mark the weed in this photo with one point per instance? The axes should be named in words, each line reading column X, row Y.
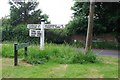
column 52, row 52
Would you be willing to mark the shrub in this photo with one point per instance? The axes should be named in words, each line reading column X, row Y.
column 90, row 56
column 56, row 53
column 79, row 58
column 62, row 54
column 37, row 58
column 105, row 45
column 7, row 50
column 78, row 44
column 56, row 36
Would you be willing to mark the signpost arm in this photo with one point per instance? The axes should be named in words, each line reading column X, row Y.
column 40, row 33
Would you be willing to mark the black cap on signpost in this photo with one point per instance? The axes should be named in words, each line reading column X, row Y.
column 42, row 20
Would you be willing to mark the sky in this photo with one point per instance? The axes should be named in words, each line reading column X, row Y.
column 59, row 11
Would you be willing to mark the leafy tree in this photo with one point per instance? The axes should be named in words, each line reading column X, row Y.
column 106, row 18
column 26, row 13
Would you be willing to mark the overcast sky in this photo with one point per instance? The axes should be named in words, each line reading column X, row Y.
column 58, row 10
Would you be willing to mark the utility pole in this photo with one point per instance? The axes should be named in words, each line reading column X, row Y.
column 88, row 45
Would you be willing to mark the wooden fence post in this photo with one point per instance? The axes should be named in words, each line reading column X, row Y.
column 25, row 52
column 15, row 55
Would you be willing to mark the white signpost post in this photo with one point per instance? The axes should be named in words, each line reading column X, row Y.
column 40, row 33
column 42, row 26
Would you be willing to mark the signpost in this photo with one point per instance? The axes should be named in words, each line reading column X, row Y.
column 40, row 33
column 35, row 33
column 46, row 26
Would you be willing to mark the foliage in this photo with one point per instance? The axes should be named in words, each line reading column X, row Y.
column 20, row 33
column 14, row 27
column 106, row 45
column 56, row 36
column 7, row 50
column 106, row 18
column 97, row 45
column 26, row 13
column 84, row 58
column 52, row 52
column 7, row 32
column 77, row 44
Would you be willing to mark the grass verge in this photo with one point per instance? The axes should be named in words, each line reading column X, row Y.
column 52, row 52
column 103, row 69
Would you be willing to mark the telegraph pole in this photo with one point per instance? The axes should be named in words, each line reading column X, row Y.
column 88, row 45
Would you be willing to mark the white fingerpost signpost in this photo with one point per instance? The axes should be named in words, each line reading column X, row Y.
column 35, row 33
column 42, row 36
column 40, row 33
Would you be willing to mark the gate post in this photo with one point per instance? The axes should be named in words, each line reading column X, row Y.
column 25, row 52
column 15, row 55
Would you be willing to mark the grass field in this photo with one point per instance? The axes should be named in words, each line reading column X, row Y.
column 107, row 68
column 57, row 53
column 0, row 68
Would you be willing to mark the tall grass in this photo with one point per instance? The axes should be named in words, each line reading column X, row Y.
column 52, row 52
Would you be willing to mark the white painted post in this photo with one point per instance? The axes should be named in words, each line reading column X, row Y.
column 42, row 36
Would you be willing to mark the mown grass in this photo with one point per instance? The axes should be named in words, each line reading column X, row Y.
column 103, row 69
column 52, row 57
column 0, row 68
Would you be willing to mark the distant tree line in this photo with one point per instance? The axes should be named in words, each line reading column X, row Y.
column 15, row 27
column 106, row 20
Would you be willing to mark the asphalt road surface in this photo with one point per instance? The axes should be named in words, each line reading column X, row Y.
column 114, row 53
column 104, row 52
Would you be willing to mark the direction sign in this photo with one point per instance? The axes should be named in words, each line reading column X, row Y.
column 46, row 26
column 35, row 33
column 40, row 33
column 54, row 26
column 34, row 26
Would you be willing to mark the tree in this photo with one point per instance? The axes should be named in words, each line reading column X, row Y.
column 106, row 17
column 90, row 27
column 26, row 13
column 79, row 19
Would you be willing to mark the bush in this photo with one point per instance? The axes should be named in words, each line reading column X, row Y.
column 56, row 53
column 90, row 56
column 105, row 45
column 79, row 58
column 7, row 50
column 20, row 33
column 56, row 36
column 77, row 44
column 37, row 58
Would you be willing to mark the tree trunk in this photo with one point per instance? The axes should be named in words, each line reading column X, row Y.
column 88, row 45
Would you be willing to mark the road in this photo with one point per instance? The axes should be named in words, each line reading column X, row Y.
column 104, row 52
